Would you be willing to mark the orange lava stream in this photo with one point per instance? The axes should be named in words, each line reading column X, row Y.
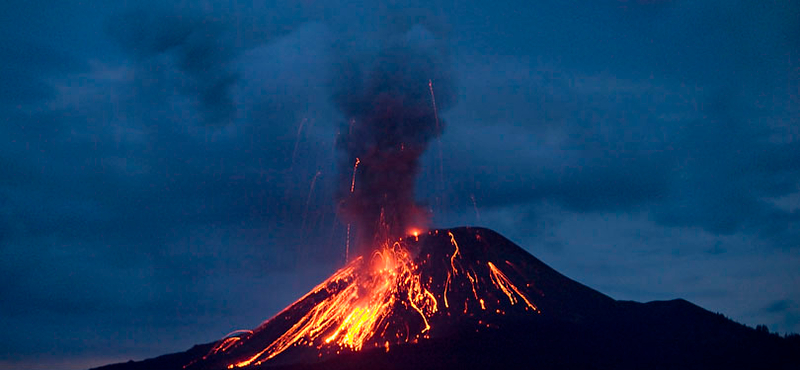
column 350, row 317
column 501, row 281
column 353, row 182
column 453, row 257
column 354, row 308
column 225, row 344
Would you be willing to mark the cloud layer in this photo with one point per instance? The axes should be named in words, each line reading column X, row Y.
column 168, row 172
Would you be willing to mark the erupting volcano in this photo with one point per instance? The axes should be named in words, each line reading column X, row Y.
column 410, row 290
column 399, row 288
column 468, row 298
column 456, row 298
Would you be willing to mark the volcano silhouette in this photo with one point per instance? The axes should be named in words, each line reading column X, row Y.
column 470, row 298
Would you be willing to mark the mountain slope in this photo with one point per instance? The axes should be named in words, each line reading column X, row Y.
column 469, row 298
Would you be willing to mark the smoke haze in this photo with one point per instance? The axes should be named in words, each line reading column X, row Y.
column 390, row 121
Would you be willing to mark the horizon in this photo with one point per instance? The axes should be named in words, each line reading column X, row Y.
column 173, row 171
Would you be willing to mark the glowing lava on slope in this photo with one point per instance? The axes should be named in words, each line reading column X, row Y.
column 405, row 291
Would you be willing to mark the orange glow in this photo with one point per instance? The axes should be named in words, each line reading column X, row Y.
column 384, row 299
column 225, row 344
column 351, row 317
column 453, row 257
column 501, row 281
column 228, row 341
column 353, row 182
column 454, row 272
column 415, row 232
column 446, row 287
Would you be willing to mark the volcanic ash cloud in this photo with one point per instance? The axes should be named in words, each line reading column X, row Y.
column 388, row 101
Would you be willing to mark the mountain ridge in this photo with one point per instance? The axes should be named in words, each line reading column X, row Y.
column 551, row 321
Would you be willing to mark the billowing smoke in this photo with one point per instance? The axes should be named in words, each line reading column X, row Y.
column 390, row 120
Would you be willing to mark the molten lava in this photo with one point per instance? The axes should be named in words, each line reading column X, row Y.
column 401, row 293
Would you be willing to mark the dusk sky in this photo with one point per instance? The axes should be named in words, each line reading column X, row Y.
column 168, row 172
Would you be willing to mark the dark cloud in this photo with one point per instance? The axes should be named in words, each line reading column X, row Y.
column 728, row 170
column 27, row 66
column 692, row 157
column 192, row 53
column 572, row 144
column 717, row 249
column 115, row 197
column 778, row 306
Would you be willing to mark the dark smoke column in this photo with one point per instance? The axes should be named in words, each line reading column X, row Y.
column 390, row 122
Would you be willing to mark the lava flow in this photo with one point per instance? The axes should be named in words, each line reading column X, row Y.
column 405, row 291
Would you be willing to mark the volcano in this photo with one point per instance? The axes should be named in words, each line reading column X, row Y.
column 470, row 298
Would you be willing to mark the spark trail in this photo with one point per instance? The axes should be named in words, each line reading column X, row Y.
column 297, row 140
column 308, row 200
column 352, row 190
column 353, row 182
column 440, row 174
column 475, row 206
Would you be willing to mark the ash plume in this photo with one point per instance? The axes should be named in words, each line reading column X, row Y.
column 390, row 121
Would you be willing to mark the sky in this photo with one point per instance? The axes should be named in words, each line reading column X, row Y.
column 168, row 170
